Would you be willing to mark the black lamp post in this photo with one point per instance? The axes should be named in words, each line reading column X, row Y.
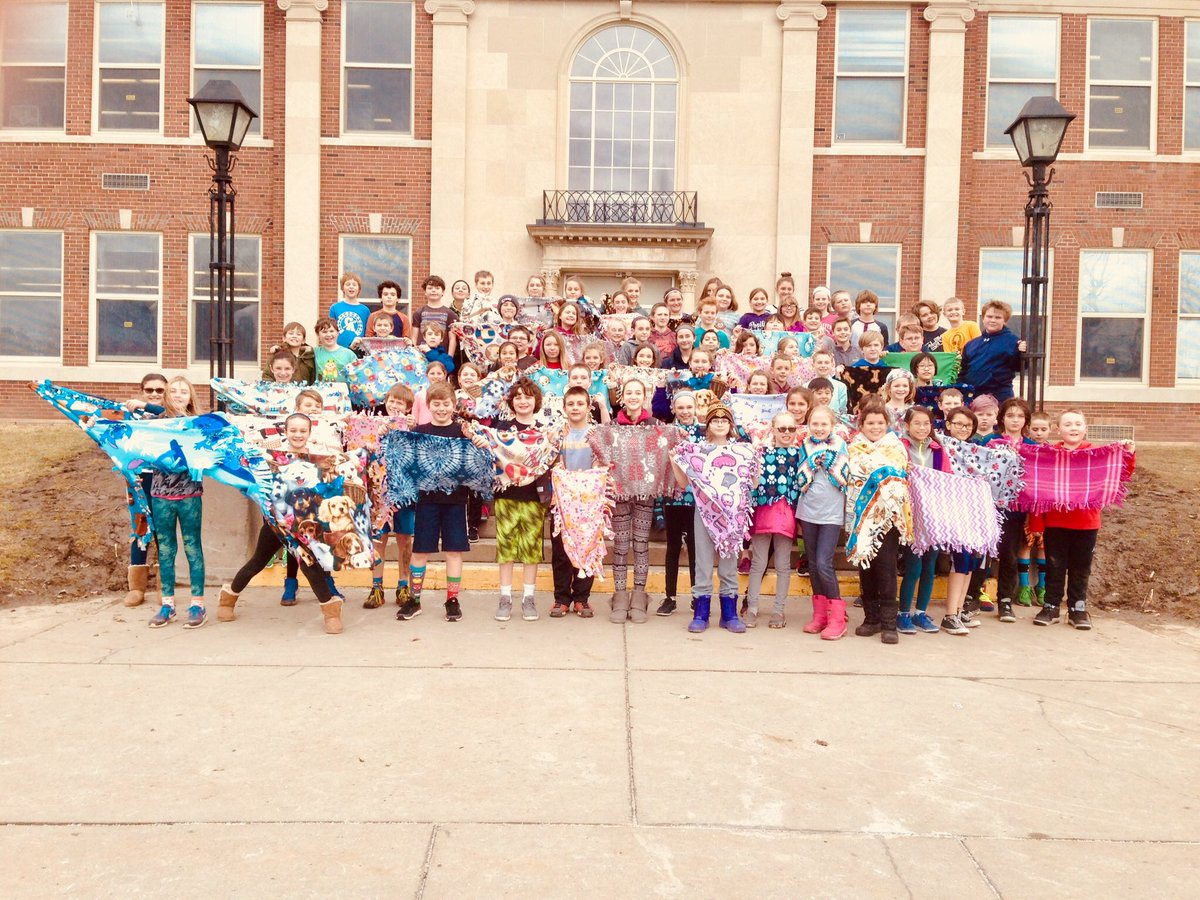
column 1037, row 135
column 224, row 117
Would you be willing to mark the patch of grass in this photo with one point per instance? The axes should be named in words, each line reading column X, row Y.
column 36, row 448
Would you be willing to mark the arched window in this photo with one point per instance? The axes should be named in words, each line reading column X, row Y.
column 624, row 105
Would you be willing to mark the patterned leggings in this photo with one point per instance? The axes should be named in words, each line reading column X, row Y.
column 631, row 518
column 188, row 514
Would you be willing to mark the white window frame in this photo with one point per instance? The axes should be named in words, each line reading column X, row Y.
column 993, row 17
column 5, row 66
column 1182, row 315
column 1188, row 25
column 193, row 298
column 382, row 136
column 903, row 76
column 1146, row 316
column 1016, row 306
column 258, row 122
column 96, row 67
column 56, row 358
column 1152, row 84
column 94, row 304
column 407, row 303
column 893, row 311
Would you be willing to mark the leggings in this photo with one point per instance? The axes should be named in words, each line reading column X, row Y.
column 877, row 583
column 820, row 542
column 680, row 532
column 268, row 544
column 760, row 548
column 1012, row 535
column 137, row 553
column 631, row 518
column 918, row 577
column 188, row 514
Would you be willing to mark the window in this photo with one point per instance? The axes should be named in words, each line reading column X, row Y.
column 1187, row 353
column 1120, row 83
column 1022, row 63
column 376, row 259
column 1114, row 299
column 127, row 285
column 129, row 41
column 1191, row 79
column 33, row 65
column 228, row 43
column 31, row 289
column 377, row 72
column 872, row 65
column 246, row 295
column 624, row 107
column 876, row 267
column 1000, row 274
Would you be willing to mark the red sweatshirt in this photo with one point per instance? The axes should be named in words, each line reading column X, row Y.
column 1079, row 519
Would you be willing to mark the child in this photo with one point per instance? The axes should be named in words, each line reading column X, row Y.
column 569, row 320
column 871, row 344
column 389, row 300
column 570, row 588
column 523, row 339
column 615, row 334
column 987, row 413
column 480, row 304
column 309, row 403
column 949, row 400
column 992, row 360
column 662, row 335
column 960, row 424
column 866, row 304
column 746, row 343
column 773, row 526
column 960, row 331
column 821, row 510
column 800, row 403
column 1071, row 538
column 439, row 517
column 579, row 375
column 673, row 298
column 711, row 342
column 898, row 392
column 508, row 310
column 432, row 336
column 845, row 352
column 294, row 341
column 908, row 333
column 924, row 368
column 919, row 570
column 708, row 322
column 824, row 365
column 330, row 357
column 151, row 403
column 642, row 328
column 700, row 365
column 758, row 315
column 645, row 357
column 381, row 327
column 782, row 368
column 759, row 383
column 1014, row 423
column 678, row 513
column 435, row 310
column 349, row 314
column 929, row 314
column 822, row 391
column 398, row 404
column 788, row 311
column 282, row 367
column 459, row 292
column 435, row 373
column 841, row 306
column 631, row 522
column 1039, row 433
column 632, row 288
column 553, row 352
column 176, row 499
column 619, row 304
column 685, row 341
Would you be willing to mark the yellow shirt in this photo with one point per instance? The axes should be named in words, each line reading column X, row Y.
column 955, row 339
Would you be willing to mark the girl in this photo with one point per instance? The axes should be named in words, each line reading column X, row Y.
column 898, row 392
column 821, row 510
column 710, row 288
column 774, row 524
column 1039, row 433
column 673, row 297
column 568, row 320
column 594, row 356
column 662, row 335
column 535, row 287
column 678, row 514
column 436, row 373
column 573, row 289
column 631, row 521
column 758, row 314
column 685, row 340
column 618, row 303
column 553, row 352
column 700, row 365
column 726, row 301
column 396, row 405
column 459, row 292
column 789, row 311
column 1014, row 424
column 919, row 571
column 469, row 376
column 820, row 301
column 799, row 402
column 929, row 314
column 960, row 424
column 785, row 286
column 645, row 356
column 924, row 369
column 788, row 347
column 506, row 361
column 711, row 342
column 758, row 383
column 295, row 340
column 176, row 499
column 746, row 343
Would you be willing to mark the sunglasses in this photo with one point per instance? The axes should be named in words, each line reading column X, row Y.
column 154, row 390
column 785, row 429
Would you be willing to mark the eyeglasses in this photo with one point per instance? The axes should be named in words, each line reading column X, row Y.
column 147, row 390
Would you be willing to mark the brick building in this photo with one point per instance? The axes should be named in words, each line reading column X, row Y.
column 855, row 144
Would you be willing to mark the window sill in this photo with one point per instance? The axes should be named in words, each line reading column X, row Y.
column 1132, row 392
column 1134, row 156
column 868, row 150
column 367, row 140
column 12, row 369
column 125, row 138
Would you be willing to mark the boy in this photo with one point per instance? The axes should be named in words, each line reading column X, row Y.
column 1070, row 538
column 579, row 375
column 708, row 322
column 866, row 304
column 389, row 299
column 439, row 516
column 435, row 310
column 960, row 331
column 349, row 314
column 950, row 400
column 871, row 345
column 523, row 340
column 840, row 307
column 992, row 360
column 330, row 357
column 432, row 335
column 823, row 365
column 641, row 335
column 844, row 351
column 483, row 283
column 571, row 588
column 909, row 336
column 398, row 405
column 1039, row 427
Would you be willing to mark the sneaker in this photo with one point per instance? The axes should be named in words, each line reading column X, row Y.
column 858, row 602
column 666, row 607
column 1040, row 600
column 1025, row 597
column 802, row 566
column 164, row 615
column 197, row 616
column 904, row 623
column 529, row 609
column 985, row 603
column 583, row 609
column 953, row 625
column 1004, row 607
column 403, row 594
column 1047, row 615
column 375, row 599
column 558, row 610
column 504, row 610
column 410, row 610
column 922, row 622
column 473, row 534
column 453, row 610
column 969, row 619
column 1079, row 619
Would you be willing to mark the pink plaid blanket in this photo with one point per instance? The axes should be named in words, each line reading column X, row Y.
column 1065, row 480
column 952, row 512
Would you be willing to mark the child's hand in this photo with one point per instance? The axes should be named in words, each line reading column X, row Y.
column 410, row 420
column 424, row 348
column 1022, row 346
column 1128, row 445
column 135, row 405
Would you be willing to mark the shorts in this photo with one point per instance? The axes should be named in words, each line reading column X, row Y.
column 403, row 521
column 963, row 563
column 519, row 527
column 447, row 521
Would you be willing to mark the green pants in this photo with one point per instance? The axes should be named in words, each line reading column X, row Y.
column 188, row 513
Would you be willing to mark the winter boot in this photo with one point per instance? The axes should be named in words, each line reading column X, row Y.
column 225, row 604
column 729, row 615
column 332, row 611
column 290, row 586
column 638, row 603
column 139, row 580
column 835, row 629
column 820, row 616
column 700, row 620
column 620, row 607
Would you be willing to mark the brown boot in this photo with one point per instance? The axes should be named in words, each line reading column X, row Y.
column 227, row 601
column 620, row 607
column 139, row 580
column 637, row 606
column 332, row 611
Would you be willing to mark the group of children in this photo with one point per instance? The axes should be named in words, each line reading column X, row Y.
column 828, row 464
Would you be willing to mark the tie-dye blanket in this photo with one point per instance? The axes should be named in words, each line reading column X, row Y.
column 639, row 459
column 582, row 511
column 268, row 398
column 952, row 513
column 721, row 478
column 426, row 462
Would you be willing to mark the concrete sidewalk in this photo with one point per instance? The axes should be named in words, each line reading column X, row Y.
column 565, row 758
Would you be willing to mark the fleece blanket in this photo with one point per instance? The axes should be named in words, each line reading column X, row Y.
column 861, row 381
column 1003, row 469
column 322, row 503
column 1063, row 480
column 721, row 478
column 371, row 377
column 779, row 477
column 365, row 433
column 653, row 378
column 638, row 457
column 947, row 365
column 753, row 413
column 268, row 398
column 735, row 369
column 269, row 432
column 582, row 510
column 877, row 497
column 952, row 513
column 768, row 342
column 521, row 456
column 828, row 455
column 930, row 396
column 427, row 462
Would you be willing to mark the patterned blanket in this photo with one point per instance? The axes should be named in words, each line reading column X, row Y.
column 930, row 396
column 735, row 369
column 268, row 432
column 721, row 478
column 582, row 511
column 1064, row 480
column 997, row 463
column 268, row 398
column 652, row 378
column 322, row 502
column 371, row 377
column 829, row 455
column 366, row 433
column 521, row 456
column 861, row 381
column 947, row 365
column 753, row 413
column 780, row 476
column 877, row 497
column 951, row 512
column 768, row 342
column 427, row 462
column 638, row 457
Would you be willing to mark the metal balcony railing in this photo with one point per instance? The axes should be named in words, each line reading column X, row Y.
column 677, row 208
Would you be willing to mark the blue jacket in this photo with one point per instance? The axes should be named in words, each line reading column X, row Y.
column 990, row 361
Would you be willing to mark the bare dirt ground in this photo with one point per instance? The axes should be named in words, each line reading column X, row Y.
column 66, row 532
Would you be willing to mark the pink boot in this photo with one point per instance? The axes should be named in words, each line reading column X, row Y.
column 820, row 615
column 836, row 627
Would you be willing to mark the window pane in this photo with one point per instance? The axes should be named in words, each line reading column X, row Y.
column 1111, row 348
column 1119, row 116
column 871, row 40
column 33, row 96
column 127, row 264
column 855, row 267
column 1023, row 48
column 127, row 329
column 1191, row 119
column 246, row 250
column 129, row 99
column 1189, row 284
column 1187, row 354
column 228, row 34
column 34, row 33
column 869, row 109
column 248, row 81
column 245, row 331
column 378, row 259
column 130, row 33
column 30, row 326
column 1121, row 50
column 1004, row 104
column 1113, row 282
column 378, row 32
column 379, row 100
column 31, row 262
column 1191, row 62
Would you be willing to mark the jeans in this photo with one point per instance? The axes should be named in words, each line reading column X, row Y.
column 1069, row 554
column 820, row 541
column 187, row 514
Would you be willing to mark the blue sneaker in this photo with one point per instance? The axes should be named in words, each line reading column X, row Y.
column 164, row 615
column 923, row 622
column 196, row 616
column 904, row 623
